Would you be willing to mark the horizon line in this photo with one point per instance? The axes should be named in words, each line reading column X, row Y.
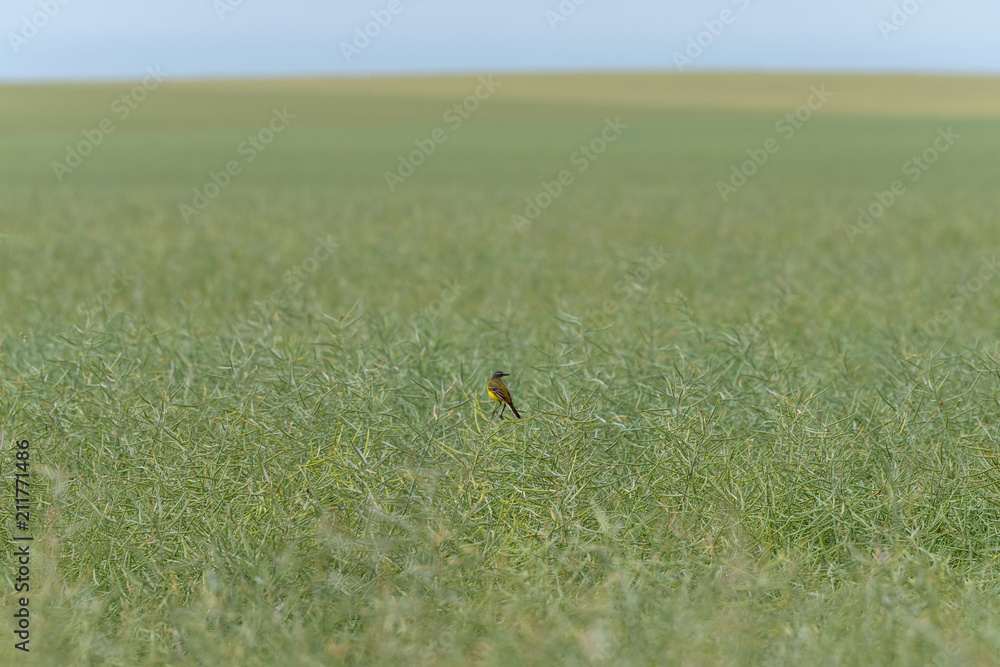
column 443, row 74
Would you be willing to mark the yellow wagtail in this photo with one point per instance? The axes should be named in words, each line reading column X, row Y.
column 498, row 392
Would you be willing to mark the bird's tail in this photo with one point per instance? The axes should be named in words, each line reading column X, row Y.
column 516, row 413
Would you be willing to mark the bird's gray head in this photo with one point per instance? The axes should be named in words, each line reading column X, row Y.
column 498, row 374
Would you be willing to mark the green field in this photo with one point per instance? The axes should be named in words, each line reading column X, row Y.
column 756, row 431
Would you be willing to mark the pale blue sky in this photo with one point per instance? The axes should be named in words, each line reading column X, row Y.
column 119, row 39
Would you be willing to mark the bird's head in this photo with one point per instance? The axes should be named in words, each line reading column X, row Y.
column 498, row 374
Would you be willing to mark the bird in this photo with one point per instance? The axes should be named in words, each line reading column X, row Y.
column 498, row 392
